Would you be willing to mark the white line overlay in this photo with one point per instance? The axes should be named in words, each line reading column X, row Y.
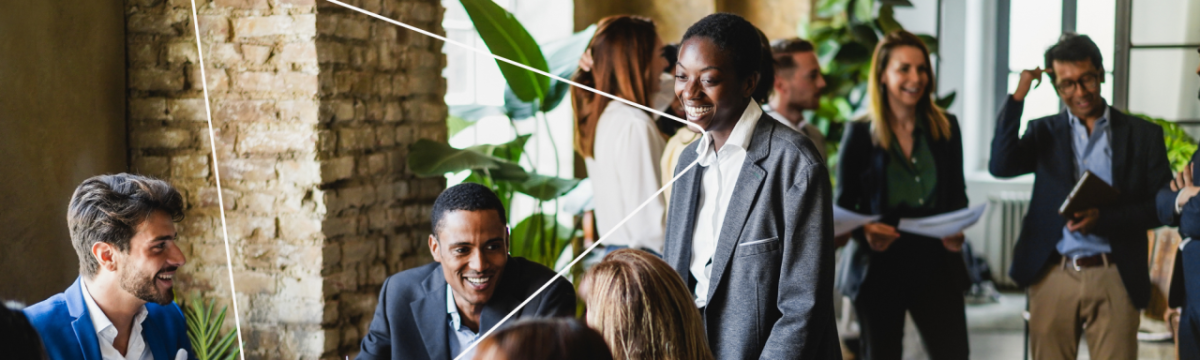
column 212, row 142
column 567, row 268
column 517, row 64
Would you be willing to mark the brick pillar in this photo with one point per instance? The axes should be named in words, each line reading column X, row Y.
column 381, row 89
column 314, row 108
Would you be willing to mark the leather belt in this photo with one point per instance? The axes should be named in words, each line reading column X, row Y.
column 1085, row 261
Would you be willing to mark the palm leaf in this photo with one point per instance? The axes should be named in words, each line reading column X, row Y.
column 505, row 37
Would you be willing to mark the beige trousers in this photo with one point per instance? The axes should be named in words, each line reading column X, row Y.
column 1067, row 303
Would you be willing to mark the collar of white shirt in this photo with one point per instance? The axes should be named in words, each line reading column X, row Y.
column 739, row 137
column 777, row 116
column 106, row 332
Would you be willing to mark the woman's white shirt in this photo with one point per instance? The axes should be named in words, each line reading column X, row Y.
column 625, row 172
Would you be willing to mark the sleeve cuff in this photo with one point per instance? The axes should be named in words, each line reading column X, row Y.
column 1178, row 208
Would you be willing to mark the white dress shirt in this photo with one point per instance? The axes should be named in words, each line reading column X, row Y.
column 624, row 169
column 721, row 169
column 106, row 333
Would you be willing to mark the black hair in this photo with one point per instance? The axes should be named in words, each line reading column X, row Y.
column 735, row 36
column 671, row 53
column 109, row 208
column 469, row 197
column 18, row 338
column 1073, row 47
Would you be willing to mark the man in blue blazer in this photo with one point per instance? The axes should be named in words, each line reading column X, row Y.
column 121, row 306
column 1175, row 208
column 437, row 311
column 1087, row 275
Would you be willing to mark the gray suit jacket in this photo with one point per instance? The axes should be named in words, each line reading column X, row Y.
column 772, row 278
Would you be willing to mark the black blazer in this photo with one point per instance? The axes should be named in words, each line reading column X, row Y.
column 1140, row 168
column 862, row 188
column 410, row 320
column 1188, row 222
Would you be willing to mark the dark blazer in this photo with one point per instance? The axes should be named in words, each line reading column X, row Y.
column 862, row 188
column 66, row 327
column 411, row 323
column 1176, row 295
column 772, row 273
column 1140, row 169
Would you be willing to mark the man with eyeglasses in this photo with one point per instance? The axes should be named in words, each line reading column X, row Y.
column 1086, row 272
column 1175, row 208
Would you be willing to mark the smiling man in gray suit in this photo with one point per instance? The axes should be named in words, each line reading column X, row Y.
column 750, row 228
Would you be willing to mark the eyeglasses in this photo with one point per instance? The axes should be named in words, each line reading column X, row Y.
column 1089, row 81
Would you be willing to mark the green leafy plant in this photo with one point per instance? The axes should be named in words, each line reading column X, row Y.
column 528, row 95
column 845, row 34
column 204, row 331
column 1180, row 145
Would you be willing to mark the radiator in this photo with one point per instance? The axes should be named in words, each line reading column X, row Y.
column 1002, row 226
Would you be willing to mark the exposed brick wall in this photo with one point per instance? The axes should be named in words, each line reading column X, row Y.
column 314, row 109
column 381, row 89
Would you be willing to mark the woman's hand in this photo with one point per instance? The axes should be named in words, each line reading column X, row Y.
column 880, row 236
column 953, row 242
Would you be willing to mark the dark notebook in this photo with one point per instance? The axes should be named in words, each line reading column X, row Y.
column 1089, row 192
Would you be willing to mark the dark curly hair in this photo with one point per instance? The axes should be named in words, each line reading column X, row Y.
column 469, row 197
column 109, row 208
column 1074, row 47
column 738, row 38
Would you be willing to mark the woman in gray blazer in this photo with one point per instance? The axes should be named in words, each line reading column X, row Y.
column 905, row 161
column 750, row 226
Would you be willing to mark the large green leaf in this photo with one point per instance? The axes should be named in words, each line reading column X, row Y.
column 427, row 158
column 505, row 37
column 945, row 101
column 1180, row 145
column 539, row 238
column 830, row 8
column 930, row 42
column 887, row 20
column 863, row 10
column 546, row 188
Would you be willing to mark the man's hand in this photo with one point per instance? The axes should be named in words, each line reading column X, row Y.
column 954, row 242
column 1027, row 78
column 1084, row 221
column 841, row 240
column 880, row 236
column 1185, row 186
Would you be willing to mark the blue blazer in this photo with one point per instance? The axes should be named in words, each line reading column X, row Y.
column 1188, row 222
column 1140, row 170
column 67, row 332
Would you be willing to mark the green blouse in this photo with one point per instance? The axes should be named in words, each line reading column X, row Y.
column 911, row 183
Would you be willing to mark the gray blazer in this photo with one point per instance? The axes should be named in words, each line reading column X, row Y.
column 772, row 278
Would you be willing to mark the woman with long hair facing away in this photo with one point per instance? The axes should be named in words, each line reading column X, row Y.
column 544, row 339
column 643, row 309
column 904, row 161
column 620, row 144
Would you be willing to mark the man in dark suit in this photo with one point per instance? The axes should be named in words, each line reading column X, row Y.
column 1175, row 208
column 437, row 311
column 750, row 227
column 121, row 306
column 1087, row 274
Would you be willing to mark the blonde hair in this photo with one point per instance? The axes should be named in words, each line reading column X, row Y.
column 643, row 309
column 880, row 113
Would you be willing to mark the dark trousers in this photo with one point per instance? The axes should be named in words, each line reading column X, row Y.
column 1189, row 322
column 912, row 276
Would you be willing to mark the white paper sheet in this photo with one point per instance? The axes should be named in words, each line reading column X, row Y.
column 942, row 225
column 845, row 221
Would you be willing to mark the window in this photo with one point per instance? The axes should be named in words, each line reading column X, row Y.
column 1163, row 38
column 1036, row 27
